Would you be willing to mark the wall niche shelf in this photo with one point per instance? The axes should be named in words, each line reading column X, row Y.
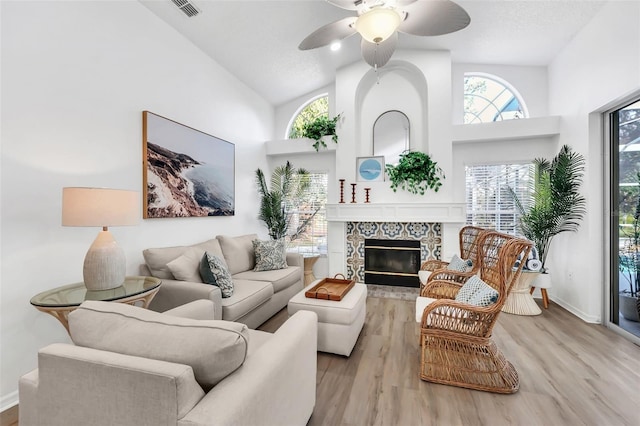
column 523, row 128
column 297, row 146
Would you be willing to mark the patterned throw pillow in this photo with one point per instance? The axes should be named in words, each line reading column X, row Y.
column 214, row 271
column 270, row 255
column 477, row 292
column 460, row 265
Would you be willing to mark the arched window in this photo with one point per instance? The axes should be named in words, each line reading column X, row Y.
column 488, row 98
column 312, row 110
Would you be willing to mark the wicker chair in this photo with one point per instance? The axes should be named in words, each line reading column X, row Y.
column 455, row 338
column 469, row 238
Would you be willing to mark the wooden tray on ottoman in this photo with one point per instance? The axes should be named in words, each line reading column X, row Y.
column 330, row 289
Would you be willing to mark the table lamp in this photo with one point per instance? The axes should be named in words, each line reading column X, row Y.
column 104, row 264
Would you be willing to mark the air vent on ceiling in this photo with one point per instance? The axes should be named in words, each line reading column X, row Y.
column 186, row 7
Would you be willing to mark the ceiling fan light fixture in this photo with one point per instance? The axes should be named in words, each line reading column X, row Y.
column 378, row 24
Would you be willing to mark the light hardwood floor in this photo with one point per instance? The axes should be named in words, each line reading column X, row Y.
column 571, row 373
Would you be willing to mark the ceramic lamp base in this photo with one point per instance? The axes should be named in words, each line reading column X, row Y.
column 104, row 264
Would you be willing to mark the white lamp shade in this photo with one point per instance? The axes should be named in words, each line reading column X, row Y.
column 99, row 207
column 378, row 24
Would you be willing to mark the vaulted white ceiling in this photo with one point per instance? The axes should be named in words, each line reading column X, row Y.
column 257, row 41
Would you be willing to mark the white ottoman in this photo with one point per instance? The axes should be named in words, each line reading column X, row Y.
column 339, row 322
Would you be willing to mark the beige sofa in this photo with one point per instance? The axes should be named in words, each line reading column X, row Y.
column 132, row 366
column 257, row 296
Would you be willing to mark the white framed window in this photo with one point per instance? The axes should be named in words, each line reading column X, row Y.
column 313, row 241
column 488, row 98
column 313, row 109
column 488, row 198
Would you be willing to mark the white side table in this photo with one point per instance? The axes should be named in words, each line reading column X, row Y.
column 543, row 282
column 520, row 300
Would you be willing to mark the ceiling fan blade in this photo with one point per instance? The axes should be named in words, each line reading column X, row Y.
column 346, row 4
column 433, row 18
column 329, row 33
column 355, row 4
column 378, row 54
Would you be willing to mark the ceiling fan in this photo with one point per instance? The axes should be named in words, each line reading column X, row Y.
column 378, row 22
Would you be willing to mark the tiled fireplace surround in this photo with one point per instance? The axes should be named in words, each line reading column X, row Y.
column 435, row 225
column 429, row 235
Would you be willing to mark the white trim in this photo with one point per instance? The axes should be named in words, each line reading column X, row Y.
column 409, row 212
column 8, row 401
column 604, row 114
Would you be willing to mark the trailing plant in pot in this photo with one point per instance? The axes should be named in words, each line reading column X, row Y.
column 287, row 187
column 319, row 127
column 415, row 172
column 629, row 264
column 556, row 205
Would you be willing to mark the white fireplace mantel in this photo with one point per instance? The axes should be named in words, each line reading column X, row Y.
column 408, row 212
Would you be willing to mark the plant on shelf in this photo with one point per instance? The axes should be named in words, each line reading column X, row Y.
column 556, row 205
column 318, row 127
column 288, row 185
column 415, row 172
column 629, row 261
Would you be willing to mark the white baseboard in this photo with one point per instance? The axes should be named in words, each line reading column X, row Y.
column 8, row 401
column 577, row 312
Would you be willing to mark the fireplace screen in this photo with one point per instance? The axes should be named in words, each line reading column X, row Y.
column 392, row 262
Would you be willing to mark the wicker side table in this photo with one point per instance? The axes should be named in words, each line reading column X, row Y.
column 520, row 301
column 309, row 261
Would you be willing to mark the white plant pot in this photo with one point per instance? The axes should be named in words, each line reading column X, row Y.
column 542, row 281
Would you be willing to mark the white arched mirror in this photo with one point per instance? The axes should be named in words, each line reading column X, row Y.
column 391, row 136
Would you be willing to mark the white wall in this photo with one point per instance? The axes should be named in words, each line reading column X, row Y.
column 601, row 64
column 75, row 78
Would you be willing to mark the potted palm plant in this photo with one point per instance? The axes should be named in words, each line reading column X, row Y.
column 629, row 263
column 287, row 187
column 556, row 204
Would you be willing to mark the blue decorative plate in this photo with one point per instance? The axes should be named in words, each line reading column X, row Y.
column 370, row 169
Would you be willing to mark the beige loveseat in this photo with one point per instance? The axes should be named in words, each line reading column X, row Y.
column 257, row 296
column 132, row 366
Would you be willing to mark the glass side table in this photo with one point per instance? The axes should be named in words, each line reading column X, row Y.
column 60, row 301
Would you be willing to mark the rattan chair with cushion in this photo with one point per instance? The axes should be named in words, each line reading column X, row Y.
column 468, row 237
column 455, row 336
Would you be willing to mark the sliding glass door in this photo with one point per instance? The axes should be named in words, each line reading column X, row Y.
column 624, row 125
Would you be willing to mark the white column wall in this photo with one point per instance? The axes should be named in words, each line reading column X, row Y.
column 76, row 77
column 601, row 64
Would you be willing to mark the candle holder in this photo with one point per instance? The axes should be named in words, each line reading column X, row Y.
column 353, row 192
column 366, row 195
column 341, row 191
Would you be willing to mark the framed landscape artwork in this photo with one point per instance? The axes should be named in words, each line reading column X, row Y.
column 186, row 172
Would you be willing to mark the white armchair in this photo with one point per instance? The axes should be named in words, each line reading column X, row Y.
column 82, row 385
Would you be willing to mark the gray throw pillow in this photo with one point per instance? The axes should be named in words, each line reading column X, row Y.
column 214, row 271
column 270, row 255
column 477, row 292
column 460, row 265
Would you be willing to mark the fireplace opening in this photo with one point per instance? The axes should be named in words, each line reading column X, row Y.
column 392, row 262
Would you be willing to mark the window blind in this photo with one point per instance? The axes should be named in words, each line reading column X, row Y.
column 489, row 201
column 313, row 240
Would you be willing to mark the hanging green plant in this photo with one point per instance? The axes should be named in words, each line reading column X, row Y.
column 319, row 127
column 415, row 172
